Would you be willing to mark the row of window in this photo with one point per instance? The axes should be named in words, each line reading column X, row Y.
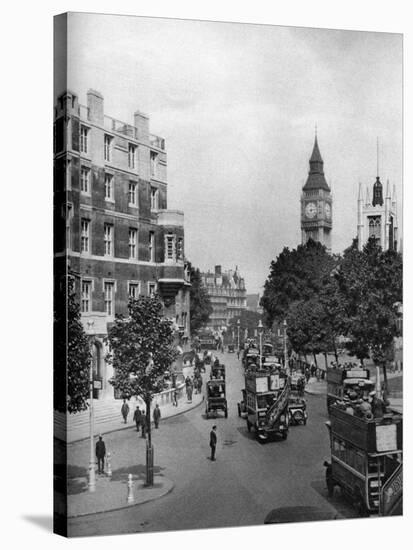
column 108, row 150
column 109, row 290
column 182, row 319
column 108, row 238
column 174, row 249
column 85, row 188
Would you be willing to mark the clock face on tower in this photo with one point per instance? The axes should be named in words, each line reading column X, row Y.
column 310, row 210
column 327, row 210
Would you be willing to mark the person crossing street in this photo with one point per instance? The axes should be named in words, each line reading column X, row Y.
column 213, row 442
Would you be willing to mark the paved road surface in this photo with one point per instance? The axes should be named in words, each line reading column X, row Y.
column 246, row 482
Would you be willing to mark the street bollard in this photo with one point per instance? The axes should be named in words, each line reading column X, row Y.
column 108, row 466
column 131, row 498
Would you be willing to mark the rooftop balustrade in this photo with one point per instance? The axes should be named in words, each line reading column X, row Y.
column 120, row 127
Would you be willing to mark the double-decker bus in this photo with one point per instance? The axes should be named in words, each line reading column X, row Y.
column 366, row 456
column 266, row 393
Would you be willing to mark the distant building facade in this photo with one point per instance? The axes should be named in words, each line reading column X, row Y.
column 316, row 203
column 377, row 216
column 113, row 230
column 228, row 296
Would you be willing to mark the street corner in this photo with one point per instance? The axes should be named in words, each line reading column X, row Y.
column 115, row 493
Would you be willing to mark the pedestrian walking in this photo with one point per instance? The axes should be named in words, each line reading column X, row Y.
column 100, row 455
column 137, row 418
column 189, row 389
column 213, row 442
column 144, row 424
column 300, row 386
column 174, row 395
column 200, row 384
column 125, row 411
column 156, row 415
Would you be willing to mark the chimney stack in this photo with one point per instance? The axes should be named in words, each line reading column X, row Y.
column 95, row 106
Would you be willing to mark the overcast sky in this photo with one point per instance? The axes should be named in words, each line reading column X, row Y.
column 238, row 105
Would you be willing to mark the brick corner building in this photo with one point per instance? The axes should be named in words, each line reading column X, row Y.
column 113, row 228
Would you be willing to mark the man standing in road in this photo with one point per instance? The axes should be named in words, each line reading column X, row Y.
column 213, row 442
column 156, row 415
column 137, row 418
column 100, row 454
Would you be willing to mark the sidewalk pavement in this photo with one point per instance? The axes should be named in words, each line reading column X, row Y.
column 116, row 422
column 112, row 494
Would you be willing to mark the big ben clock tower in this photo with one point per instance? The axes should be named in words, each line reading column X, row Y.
column 316, row 203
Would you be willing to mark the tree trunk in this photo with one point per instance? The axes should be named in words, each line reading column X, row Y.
column 385, row 385
column 149, row 448
column 315, row 360
column 148, row 420
column 325, row 359
column 335, row 352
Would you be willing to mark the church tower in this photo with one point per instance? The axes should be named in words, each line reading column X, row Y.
column 377, row 219
column 316, row 203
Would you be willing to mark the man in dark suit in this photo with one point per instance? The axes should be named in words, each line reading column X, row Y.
column 100, row 454
column 213, row 441
column 137, row 418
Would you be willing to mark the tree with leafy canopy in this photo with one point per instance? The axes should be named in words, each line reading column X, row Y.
column 295, row 275
column 333, row 311
column 200, row 303
column 371, row 284
column 307, row 328
column 71, row 352
column 142, row 351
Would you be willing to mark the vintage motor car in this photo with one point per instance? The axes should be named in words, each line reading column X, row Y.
column 297, row 410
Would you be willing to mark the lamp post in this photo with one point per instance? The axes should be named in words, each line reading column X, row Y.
column 285, row 344
column 260, row 331
column 92, row 476
column 238, row 326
